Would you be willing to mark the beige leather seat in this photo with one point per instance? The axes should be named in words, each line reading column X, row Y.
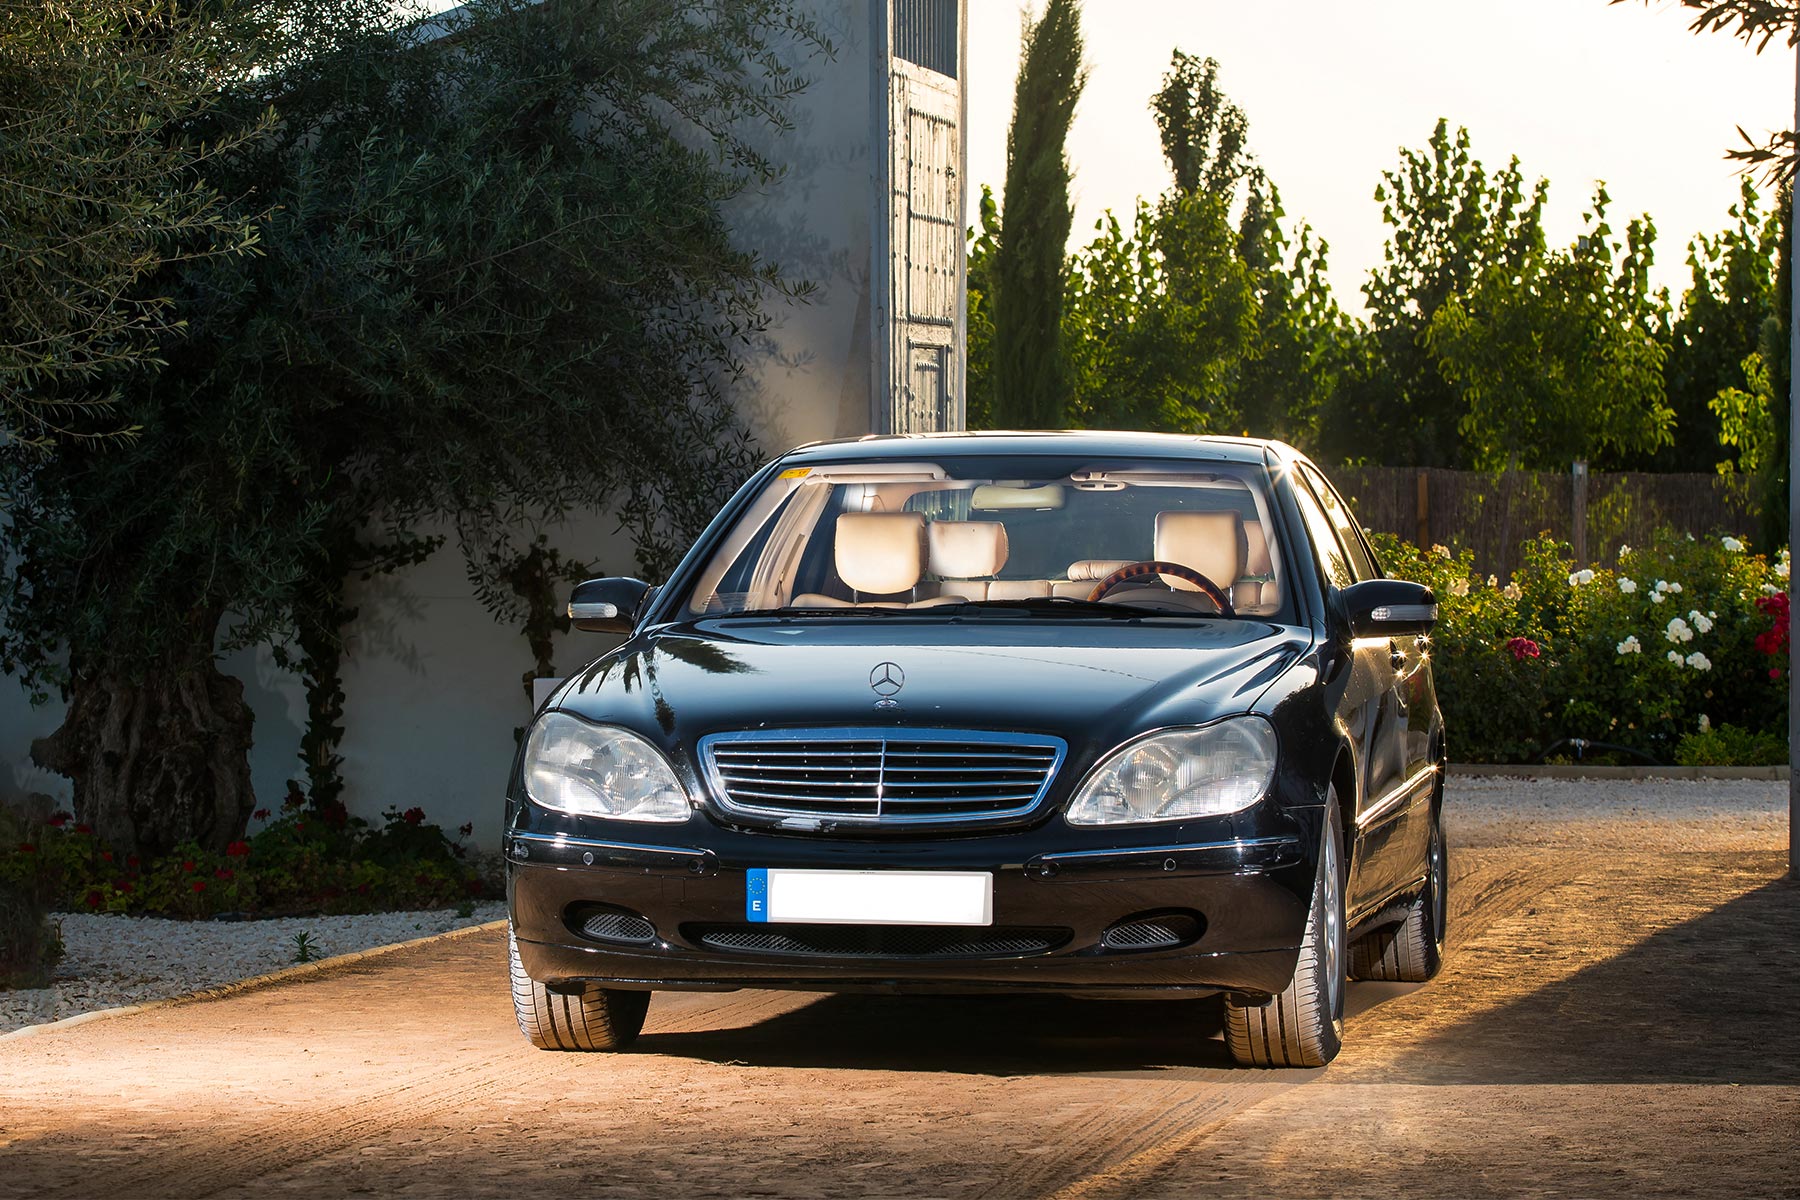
column 879, row 555
column 965, row 556
column 1211, row 543
column 1084, row 574
column 1256, row 591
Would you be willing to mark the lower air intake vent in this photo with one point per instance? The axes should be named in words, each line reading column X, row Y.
column 1152, row 933
column 878, row 941
column 618, row 927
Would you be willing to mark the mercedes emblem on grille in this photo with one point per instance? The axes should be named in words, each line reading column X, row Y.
column 887, row 679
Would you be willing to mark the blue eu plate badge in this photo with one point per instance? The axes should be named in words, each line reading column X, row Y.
column 756, row 894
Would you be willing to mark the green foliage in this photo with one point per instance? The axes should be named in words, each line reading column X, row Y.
column 102, row 182
column 1030, row 384
column 984, row 244
column 1603, row 637
column 1730, row 746
column 30, row 941
column 1451, row 222
column 1556, row 353
column 302, row 861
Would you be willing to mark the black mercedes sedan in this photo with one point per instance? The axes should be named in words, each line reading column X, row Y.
column 1097, row 714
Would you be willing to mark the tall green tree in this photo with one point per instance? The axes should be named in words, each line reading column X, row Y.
column 1557, row 355
column 1030, row 378
column 1450, row 221
column 101, row 183
column 495, row 283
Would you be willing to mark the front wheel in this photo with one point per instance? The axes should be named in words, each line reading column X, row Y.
column 593, row 1018
column 1304, row 1025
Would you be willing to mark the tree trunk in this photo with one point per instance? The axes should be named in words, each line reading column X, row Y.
column 157, row 763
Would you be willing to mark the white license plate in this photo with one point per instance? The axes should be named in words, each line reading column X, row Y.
column 869, row 897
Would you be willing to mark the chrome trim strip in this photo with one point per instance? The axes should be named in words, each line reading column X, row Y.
column 876, row 739
column 565, row 841
column 1400, row 792
column 1190, row 848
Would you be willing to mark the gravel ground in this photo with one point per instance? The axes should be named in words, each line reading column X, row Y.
column 115, row 960
column 1573, row 814
column 126, row 960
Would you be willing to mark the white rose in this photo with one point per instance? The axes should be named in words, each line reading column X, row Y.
column 1656, row 597
column 1460, row 588
column 1630, row 646
column 1699, row 661
column 1781, row 568
column 1440, row 551
column 1511, row 591
column 1623, row 551
column 1705, row 723
column 1731, row 544
column 1627, row 586
column 1493, row 581
column 1662, row 585
column 1675, row 657
column 1701, row 621
column 1676, row 588
column 1678, row 631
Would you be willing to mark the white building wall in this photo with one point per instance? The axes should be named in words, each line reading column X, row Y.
column 432, row 684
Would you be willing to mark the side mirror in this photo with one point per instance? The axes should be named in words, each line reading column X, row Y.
column 1386, row 608
column 607, row 605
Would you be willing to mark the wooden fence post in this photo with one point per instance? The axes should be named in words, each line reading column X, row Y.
column 1578, row 511
column 1424, row 511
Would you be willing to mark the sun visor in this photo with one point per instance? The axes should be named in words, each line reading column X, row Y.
column 997, row 497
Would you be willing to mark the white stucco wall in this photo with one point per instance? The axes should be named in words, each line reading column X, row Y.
column 432, row 684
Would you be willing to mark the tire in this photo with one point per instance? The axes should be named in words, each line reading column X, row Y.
column 595, row 1018
column 1304, row 1025
column 1412, row 951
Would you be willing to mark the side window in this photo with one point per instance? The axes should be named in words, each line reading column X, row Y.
column 1333, row 562
column 1361, row 564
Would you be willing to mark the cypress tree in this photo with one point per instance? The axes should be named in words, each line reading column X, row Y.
column 1030, row 377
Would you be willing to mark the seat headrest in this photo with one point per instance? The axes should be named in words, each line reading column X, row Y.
column 1212, row 543
column 1257, row 560
column 966, row 549
column 880, row 553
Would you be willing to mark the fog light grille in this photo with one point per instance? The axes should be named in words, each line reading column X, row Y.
column 619, row 927
column 1159, row 932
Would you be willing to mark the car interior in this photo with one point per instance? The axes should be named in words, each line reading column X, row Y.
column 837, row 540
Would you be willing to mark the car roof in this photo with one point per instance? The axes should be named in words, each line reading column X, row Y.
column 1099, row 443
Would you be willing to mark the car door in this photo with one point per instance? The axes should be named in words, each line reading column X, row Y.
column 1361, row 692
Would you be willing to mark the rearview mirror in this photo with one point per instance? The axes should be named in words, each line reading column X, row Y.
column 607, row 605
column 1386, row 608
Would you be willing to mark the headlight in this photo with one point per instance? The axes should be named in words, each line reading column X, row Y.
column 1223, row 768
column 600, row 771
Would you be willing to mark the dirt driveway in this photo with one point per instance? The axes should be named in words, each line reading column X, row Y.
column 1620, row 1015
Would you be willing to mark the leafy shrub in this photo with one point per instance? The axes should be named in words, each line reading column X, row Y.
column 304, row 860
column 1633, row 654
column 1730, row 746
column 30, row 944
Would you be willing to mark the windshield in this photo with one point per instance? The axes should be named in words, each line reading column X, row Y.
column 884, row 536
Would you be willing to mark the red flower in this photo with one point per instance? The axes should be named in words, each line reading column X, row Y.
column 261, row 814
column 80, row 828
column 187, row 866
column 132, row 862
column 27, row 848
column 123, row 887
column 299, row 826
column 238, row 849
column 1774, row 673
column 467, row 829
column 1523, row 648
column 106, row 856
column 199, row 885
column 362, row 889
column 94, row 899
column 223, row 873
column 59, row 820
column 413, row 816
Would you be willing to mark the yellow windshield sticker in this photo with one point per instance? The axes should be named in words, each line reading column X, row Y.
column 795, row 473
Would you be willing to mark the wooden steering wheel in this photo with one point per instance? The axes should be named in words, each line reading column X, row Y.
column 1138, row 570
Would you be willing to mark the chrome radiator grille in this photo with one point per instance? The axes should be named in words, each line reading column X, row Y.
column 880, row 776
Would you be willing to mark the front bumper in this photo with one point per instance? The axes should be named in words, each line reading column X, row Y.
column 1248, row 885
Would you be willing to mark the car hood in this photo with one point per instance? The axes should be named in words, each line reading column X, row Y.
column 1092, row 683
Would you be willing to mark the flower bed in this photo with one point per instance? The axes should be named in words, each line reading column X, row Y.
column 303, row 861
column 1678, row 651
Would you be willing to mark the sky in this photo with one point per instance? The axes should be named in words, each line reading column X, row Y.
column 1579, row 90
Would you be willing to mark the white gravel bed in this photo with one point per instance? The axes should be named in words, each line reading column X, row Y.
column 113, row 960
column 1661, row 814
